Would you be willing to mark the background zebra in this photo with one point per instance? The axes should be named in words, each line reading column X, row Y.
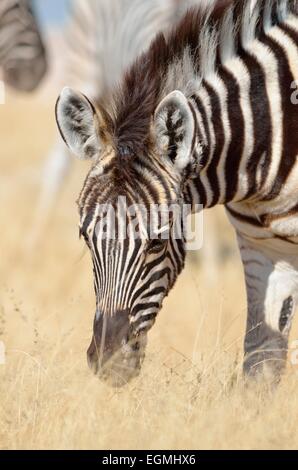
column 217, row 125
column 22, row 53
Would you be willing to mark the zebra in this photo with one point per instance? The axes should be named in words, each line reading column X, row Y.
column 207, row 115
column 22, row 53
column 101, row 38
column 98, row 45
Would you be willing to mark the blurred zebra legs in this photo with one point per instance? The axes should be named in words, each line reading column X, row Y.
column 54, row 173
column 56, row 168
column 272, row 292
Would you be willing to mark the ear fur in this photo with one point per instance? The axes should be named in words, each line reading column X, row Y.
column 82, row 127
column 174, row 124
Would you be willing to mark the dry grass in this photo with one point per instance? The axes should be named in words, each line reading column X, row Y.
column 190, row 394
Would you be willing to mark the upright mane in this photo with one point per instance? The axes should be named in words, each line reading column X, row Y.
column 205, row 38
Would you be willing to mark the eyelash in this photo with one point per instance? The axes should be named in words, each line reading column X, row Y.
column 155, row 246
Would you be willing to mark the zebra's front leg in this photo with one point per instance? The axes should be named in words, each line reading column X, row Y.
column 272, row 286
column 55, row 170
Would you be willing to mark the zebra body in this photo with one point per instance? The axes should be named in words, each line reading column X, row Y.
column 22, row 53
column 206, row 116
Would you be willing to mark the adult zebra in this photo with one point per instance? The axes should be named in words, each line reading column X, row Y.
column 22, row 53
column 208, row 115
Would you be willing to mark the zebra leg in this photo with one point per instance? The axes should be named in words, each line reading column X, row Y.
column 55, row 170
column 272, row 286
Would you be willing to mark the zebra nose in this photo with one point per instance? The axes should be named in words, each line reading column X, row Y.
column 110, row 332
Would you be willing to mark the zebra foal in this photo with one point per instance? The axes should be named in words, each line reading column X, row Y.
column 22, row 53
column 207, row 116
column 101, row 38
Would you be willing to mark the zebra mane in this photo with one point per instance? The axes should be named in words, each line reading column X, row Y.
column 206, row 37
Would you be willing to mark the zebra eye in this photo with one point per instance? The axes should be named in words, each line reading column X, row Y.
column 155, row 246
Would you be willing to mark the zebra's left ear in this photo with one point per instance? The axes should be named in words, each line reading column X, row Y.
column 83, row 127
column 175, row 129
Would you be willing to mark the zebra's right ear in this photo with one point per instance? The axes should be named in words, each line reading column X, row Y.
column 175, row 129
column 82, row 126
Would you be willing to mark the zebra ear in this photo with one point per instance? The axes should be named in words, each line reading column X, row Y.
column 175, row 129
column 82, row 127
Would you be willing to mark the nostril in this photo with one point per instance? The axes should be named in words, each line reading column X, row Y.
column 90, row 357
column 95, row 356
column 92, row 352
column 135, row 346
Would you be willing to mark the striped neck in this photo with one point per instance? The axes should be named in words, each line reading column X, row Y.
column 246, row 122
column 232, row 164
column 228, row 61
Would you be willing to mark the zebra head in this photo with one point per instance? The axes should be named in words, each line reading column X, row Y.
column 22, row 52
column 132, row 273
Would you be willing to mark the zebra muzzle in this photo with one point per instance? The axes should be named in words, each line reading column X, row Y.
column 115, row 355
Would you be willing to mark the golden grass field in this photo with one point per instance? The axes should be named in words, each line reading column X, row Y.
column 190, row 394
